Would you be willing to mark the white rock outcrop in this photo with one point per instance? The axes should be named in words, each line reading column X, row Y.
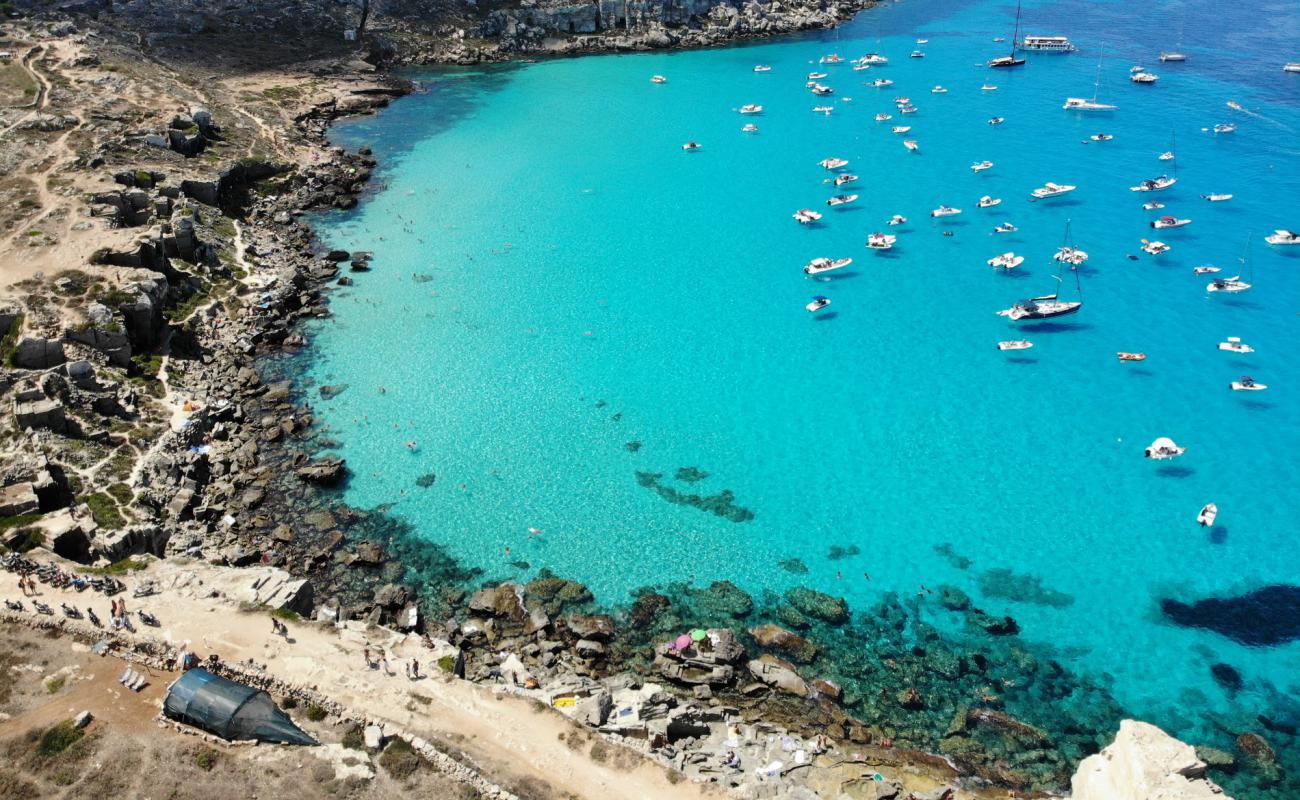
column 1144, row 763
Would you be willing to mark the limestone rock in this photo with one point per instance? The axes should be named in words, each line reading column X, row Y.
column 1143, row 763
column 778, row 674
column 506, row 601
column 775, row 637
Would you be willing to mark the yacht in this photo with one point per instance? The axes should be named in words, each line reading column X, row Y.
column 1152, row 206
column 917, row 54
column 1216, row 198
column 1293, row 66
column 841, row 199
column 1281, row 236
column 840, row 180
column 1170, row 222
column 750, row 128
column 762, row 68
column 1154, row 184
column 902, row 128
column 1146, row 78
column 1006, row 261
column 922, row 41
column 821, row 90
column 1230, row 285
column 897, row 219
column 819, row 265
column 883, row 117
column 1155, row 248
column 874, row 59
column 1168, row 155
column 1247, row 384
column 1209, row 513
column 818, row 303
column 1005, row 227
column 658, row 79
column 1164, row 448
column 833, row 58
column 1225, row 127
column 1010, row 60
column 691, row 146
column 938, row 90
column 1083, row 104
column 1122, row 356
column 1046, row 44
column 880, row 83
column 945, row 211
column 824, row 109
column 1050, row 189
column 1172, row 55
column 980, row 166
column 751, row 108
column 806, row 215
column 1015, row 344
column 912, row 145
column 833, row 163
column 1101, row 137
column 988, row 87
column 988, row 202
column 1206, row 269
column 902, row 100
column 1235, row 345
column 881, row 241
column 816, row 76
column 1044, row 307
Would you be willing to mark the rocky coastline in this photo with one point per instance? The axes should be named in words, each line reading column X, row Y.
column 155, row 411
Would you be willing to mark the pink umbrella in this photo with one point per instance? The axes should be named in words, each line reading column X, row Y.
column 682, row 642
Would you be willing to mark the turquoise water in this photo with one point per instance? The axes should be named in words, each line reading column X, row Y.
column 562, row 298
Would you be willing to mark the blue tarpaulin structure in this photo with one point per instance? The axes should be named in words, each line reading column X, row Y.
column 230, row 710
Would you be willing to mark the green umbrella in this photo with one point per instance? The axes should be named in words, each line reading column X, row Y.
column 699, row 634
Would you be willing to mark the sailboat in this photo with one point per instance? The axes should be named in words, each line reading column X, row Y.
column 1080, row 104
column 1050, row 305
column 1177, row 54
column 1235, row 284
column 1010, row 60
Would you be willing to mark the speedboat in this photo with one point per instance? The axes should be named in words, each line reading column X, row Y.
column 1101, row 137
column 751, row 108
column 1070, row 255
column 938, row 90
column 1170, row 222
column 750, row 128
column 1209, row 513
column 822, row 90
column 806, row 215
column 816, row 76
column 873, row 58
column 1050, row 189
column 881, row 241
column 1040, row 308
column 1131, row 356
column 1006, row 261
column 1015, row 344
column 1164, row 448
column 833, row 163
column 1292, row 66
column 911, row 144
column 917, row 54
column 1168, row 155
column 880, row 83
column 1155, row 248
column 1217, row 198
column 1154, row 184
column 997, row 120
column 883, row 117
column 988, row 87
column 1224, row 127
column 818, row 303
column 840, row 180
column 1247, row 384
column 902, row 128
column 897, row 219
column 824, row 109
column 1206, row 270
column 833, row 58
column 658, row 79
column 1083, row 104
column 692, row 145
column 762, row 68
column 1172, row 55
column 907, row 108
column 1235, row 345
column 988, row 202
column 1281, row 236
column 859, row 67
column 1005, row 227
column 841, row 199
column 922, row 41
column 945, row 211
column 981, row 166
column 1230, row 285
column 1147, row 78
column 902, row 100
column 819, row 265
column 1152, row 206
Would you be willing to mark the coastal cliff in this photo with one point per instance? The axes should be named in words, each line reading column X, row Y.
column 1144, row 763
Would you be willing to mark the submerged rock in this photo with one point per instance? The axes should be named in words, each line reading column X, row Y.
column 1266, row 616
column 1227, row 676
column 325, row 472
column 1008, row 585
column 818, row 605
column 774, row 637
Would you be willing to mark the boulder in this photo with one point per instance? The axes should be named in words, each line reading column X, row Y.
column 594, row 710
column 599, row 627
column 1143, row 763
column 818, row 605
column 17, row 499
column 47, row 414
column 505, row 601
column 774, row 637
column 324, row 472
column 778, row 674
column 35, row 352
column 588, row 648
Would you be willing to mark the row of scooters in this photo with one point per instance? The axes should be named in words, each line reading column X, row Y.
column 60, row 579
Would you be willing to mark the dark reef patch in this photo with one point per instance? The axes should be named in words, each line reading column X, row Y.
column 794, row 565
column 722, row 504
column 1019, row 588
column 1227, row 676
column 1261, row 618
column 956, row 559
column 691, row 474
column 836, row 552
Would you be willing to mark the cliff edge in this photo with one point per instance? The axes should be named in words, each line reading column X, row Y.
column 1144, row 763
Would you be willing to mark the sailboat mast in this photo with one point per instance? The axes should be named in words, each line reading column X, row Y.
column 1015, row 35
column 1096, row 86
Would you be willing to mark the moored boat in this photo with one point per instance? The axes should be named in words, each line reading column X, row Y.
column 1206, row 270
column 988, row 202
column 841, row 199
column 658, row 79
column 692, row 145
column 1163, row 449
column 1230, row 285
column 762, row 68
column 897, row 219
column 881, row 241
column 945, row 211
column 980, row 166
column 1216, row 198
column 819, row 265
column 1247, row 384
column 1005, row 227
column 833, row 163
column 911, row 144
column 1169, row 222
column 1006, row 260
column 1281, row 236
column 1155, row 248
column 845, row 178
column 804, row 216
column 997, row 120
column 1156, row 184
column 1046, row 44
column 817, row 304
column 750, row 108
column 1123, row 356
column 1208, row 514
column 1050, row 189
column 1234, row 344
column 1015, row 344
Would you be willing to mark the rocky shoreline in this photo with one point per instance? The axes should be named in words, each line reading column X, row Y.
column 165, row 365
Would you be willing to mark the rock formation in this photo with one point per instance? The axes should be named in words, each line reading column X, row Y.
column 1144, row 763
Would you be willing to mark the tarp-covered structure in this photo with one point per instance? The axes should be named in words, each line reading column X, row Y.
column 230, row 710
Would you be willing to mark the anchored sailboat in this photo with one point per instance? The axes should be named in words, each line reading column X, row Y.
column 1010, row 60
column 1081, row 104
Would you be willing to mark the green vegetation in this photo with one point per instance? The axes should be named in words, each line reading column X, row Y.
column 281, row 93
column 354, row 739
column 286, row 614
column 122, row 493
column 9, row 344
column 121, row 567
column 447, row 664
column 599, row 752
column 205, row 759
column 54, row 685
column 105, row 511
column 315, row 713
column 8, row 523
column 58, row 739
column 399, row 759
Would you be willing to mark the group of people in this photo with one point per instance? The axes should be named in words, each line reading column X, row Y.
column 27, row 584
column 380, row 660
column 119, row 618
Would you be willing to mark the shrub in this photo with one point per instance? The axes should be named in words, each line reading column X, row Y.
column 315, row 713
column 447, row 664
column 400, row 759
column 121, row 567
column 122, row 493
column 205, row 759
column 105, row 511
column 354, row 739
column 599, row 752
column 286, row 614
column 59, row 738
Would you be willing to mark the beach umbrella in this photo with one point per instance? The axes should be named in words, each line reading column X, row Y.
column 682, row 642
column 699, row 635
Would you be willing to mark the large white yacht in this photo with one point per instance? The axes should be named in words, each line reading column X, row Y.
column 1050, row 189
column 881, row 241
column 1281, row 236
column 818, row 265
column 1154, row 184
column 1046, row 44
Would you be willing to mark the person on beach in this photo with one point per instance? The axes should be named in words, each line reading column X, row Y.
column 415, row 669
column 370, row 662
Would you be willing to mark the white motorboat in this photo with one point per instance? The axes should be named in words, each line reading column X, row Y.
column 1006, row 260
column 988, row 202
column 1155, row 248
column 1154, row 184
column 762, row 68
column 1163, row 449
column 1168, row 155
column 897, row 219
column 833, row 58
column 1230, row 285
column 1067, row 253
column 902, row 128
column 988, row 87
column 1170, row 222
column 1225, row 127
column 1050, row 189
column 1209, row 513
column 917, row 54
column 1247, row 384
column 1281, row 236
column 902, row 100
column 874, row 59
column 881, row 83
column 824, row 109
column 945, row 211
column 833, row 163
column 1101, row 137
column 981, row 166
column 883, row 117
column 805, row 216
column 938, row 90
column 1005, row 227
column 819, row 265
column 658, row 79
column 1206, row 269
column 1145, row 78
column 1046, row 44
column 818, row 303
column 692, row 145
column 750, row 128
column 1172, row 55
column 1152, row 206
column 997, row 120
column 881, row 241
column 1292, row 66
column 907, row 108
column 1216, row 198
column 816, row 76
column 911, row 144
column 840, row 180
column 1234, row 344
column 1015, row 344
column 841, row 199
column 922, row 41
column 822, row 90
column 750, row 108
